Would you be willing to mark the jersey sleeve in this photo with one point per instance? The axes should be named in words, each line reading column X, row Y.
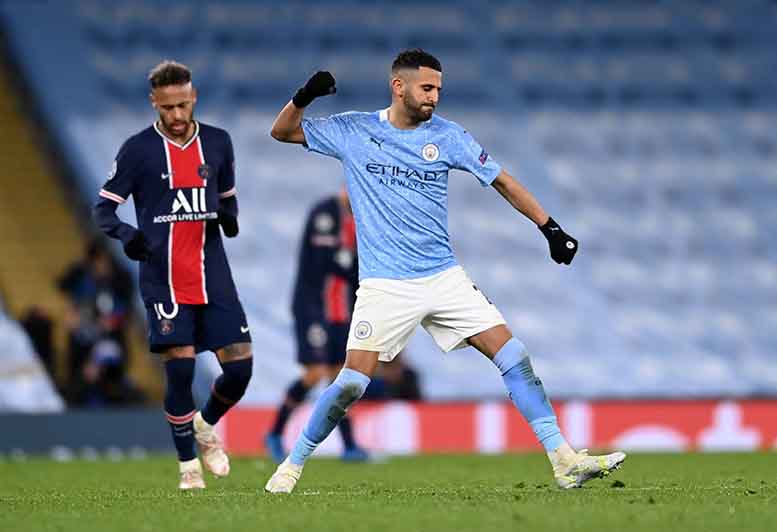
column 471, row 157
column 326, row 136
column 121, row 178
column 227, row 173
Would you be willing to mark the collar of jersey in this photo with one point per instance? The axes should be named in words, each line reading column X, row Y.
column 184, row 146
column 383, row 118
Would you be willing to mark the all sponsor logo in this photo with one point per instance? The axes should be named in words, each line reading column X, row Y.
column 189, row 205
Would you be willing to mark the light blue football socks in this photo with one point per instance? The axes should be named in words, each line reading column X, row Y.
column 527, row 393
column 329, row 409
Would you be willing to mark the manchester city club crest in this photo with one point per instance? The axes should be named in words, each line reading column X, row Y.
column 204, row 171
column 430, row 152
column 166, row 327
column 362, row 330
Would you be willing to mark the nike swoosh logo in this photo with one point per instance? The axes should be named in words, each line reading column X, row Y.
column 243, row 330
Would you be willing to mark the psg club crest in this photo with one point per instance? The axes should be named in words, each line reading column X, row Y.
column 317, row 336
column 166, row 327
column 204, row 171
column 430, row 152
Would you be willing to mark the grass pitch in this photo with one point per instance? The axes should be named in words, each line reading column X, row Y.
column 726, row 492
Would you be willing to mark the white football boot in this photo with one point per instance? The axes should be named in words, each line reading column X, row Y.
column 573, row 468
column 191, row 475
column 211, row 447
column 285, row 478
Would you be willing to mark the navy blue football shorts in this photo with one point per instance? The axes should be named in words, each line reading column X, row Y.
column 206, row 327
column 321, row 342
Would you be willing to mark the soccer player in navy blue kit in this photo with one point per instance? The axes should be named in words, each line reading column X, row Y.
column 396, row 164
column 324, row 294
column 181, row 174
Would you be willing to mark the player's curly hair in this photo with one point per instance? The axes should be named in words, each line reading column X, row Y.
column 415, row 58
column 169, row 72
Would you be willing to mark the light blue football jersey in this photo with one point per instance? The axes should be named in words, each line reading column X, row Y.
column 397, row 180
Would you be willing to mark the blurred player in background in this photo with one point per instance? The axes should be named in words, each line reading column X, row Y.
column 324, row 294
column 181, row 174
column 396, row 165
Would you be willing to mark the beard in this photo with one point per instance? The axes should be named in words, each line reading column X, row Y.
column 417, row 111
column 177, row 127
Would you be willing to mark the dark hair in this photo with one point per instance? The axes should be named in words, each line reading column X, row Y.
column 415, row 58
column 169, row 73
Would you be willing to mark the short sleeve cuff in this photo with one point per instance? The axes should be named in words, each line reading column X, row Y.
column 107, row 194
column 228, row 194
column 489, row 174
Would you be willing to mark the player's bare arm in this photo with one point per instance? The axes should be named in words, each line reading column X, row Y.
column 562, row 246
column 288, row 124
column 520, row 198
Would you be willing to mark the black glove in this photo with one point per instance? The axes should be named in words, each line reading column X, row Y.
column 228, row 224
column 138, row 248
column 228, row 216
column 320, row 84
column 562, row 246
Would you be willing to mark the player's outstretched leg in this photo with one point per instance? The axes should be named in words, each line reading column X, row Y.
column 570, row 468
column 179, row 409
column 330, row 408
column 227, row 390
column 274, row 439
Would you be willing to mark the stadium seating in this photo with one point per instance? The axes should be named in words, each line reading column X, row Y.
column 24, row 384
column 646, row 128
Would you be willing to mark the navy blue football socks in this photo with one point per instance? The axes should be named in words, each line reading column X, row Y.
column 294, row 396
column 179, row 405
column 228, row 389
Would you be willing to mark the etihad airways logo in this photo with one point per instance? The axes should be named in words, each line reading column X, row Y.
column 189, row 205
column 396, row 176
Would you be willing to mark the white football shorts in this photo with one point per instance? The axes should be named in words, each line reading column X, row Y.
column 447, row 304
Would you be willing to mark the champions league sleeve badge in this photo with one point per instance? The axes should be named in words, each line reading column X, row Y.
column 113, row 171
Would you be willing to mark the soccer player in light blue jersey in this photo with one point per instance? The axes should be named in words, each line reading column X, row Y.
column 396, row 164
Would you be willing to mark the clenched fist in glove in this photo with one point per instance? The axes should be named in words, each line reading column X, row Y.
column 320, row 84
column 562, row 246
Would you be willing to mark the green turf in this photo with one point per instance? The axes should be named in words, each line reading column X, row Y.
column 656, row 493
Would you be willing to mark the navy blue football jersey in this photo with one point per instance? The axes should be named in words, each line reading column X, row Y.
column 176, row 189
column 328, row 272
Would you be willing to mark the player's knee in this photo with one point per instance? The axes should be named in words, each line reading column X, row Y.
column 512, row 354
column 353, row 384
